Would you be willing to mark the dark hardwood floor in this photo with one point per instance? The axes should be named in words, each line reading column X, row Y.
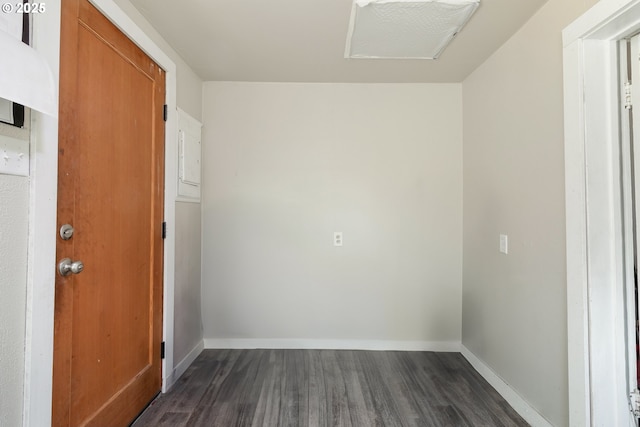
column 330, row 388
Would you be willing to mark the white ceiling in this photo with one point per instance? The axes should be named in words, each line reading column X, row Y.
column 304, row 40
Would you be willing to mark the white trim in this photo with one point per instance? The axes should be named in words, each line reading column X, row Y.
column 606, row 20
column 42, row 214
column 184, row 364
column 577, row 295
column 43, row 190
column 598, row 383
column 313, row 344
column 512, row 397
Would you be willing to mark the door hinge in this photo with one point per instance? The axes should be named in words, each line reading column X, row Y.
column 627, row 96
column 165, row 112
column 162, row 350
column 164, row 230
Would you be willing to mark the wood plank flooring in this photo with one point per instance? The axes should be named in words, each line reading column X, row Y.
column 329, row 388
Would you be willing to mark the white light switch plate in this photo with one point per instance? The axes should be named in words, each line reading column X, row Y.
column 337, row 238
column 14, row 156
column 504, row 243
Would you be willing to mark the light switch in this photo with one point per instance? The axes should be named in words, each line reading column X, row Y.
column 337, row 238
column 504, row 243
column 14, row 156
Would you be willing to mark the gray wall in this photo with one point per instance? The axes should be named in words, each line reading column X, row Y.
column 514, row 306
column 14, row 210
column 187, row 316
column 286, row 165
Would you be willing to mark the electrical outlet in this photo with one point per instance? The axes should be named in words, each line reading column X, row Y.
column 337, row 238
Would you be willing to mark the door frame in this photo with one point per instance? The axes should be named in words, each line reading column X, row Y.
column 42, row 214
column 597, row 315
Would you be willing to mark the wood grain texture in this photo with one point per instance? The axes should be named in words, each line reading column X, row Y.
column 108, row 318
column 330, row 388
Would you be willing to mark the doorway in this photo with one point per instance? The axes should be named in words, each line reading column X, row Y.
column 109, row 286
column 43, row 211
column 600, row 257
column 630, row 180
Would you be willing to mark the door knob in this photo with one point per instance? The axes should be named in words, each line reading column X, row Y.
column 66, row 267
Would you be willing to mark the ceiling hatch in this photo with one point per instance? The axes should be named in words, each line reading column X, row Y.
column 405, row 29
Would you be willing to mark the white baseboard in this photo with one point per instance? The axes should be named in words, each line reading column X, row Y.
column 182, row 366
column 310, row 344
column 516, row 401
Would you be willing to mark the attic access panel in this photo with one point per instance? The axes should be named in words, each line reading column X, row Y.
column 405, row 29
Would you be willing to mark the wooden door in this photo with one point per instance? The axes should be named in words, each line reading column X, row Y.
column 108, row 317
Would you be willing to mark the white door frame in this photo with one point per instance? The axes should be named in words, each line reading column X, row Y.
column 598, row 322
column 42, row 214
